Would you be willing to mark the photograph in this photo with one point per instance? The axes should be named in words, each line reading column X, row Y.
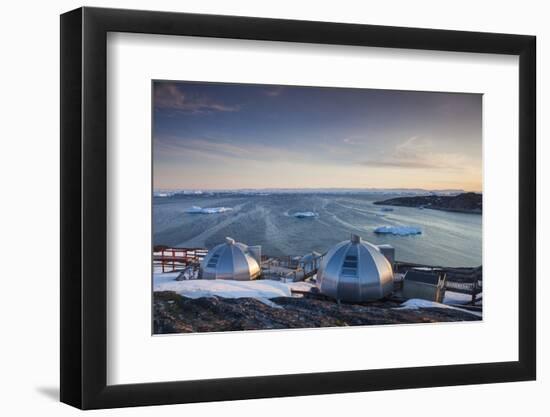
column 242, row 192
column 293, row 207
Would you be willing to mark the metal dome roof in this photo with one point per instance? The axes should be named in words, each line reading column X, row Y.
column 355, row 270
column 230, row 260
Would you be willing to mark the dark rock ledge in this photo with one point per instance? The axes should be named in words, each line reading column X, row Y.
column 176, row 314
column 463, row 203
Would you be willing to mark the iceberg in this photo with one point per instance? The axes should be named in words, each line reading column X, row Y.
column 207, row 210
column 386, row 209
column 398, row 230
column 304, row 214
column 213, row 210
column 194, row 209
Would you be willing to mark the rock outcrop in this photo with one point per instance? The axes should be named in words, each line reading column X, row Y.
column 176, row 314
column 464, row 203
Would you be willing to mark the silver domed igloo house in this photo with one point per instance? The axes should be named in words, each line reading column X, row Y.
column 231, row 260
column 355, row 270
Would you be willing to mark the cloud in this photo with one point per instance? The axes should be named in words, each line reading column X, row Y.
column 219, row 149
column 352, row 140
column 418, row 153
column 170, row 96
column 399, row 164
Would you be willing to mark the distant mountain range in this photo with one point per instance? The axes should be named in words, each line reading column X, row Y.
column 264, row 191
column 464, row 202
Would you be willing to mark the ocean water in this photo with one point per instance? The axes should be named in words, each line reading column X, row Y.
column 447, row 239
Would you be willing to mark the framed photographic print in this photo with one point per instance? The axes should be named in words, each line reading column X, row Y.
column 258, row 207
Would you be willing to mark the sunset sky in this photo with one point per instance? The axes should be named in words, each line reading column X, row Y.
column 231, row 136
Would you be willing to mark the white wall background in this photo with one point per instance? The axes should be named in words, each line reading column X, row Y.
column 29, row 175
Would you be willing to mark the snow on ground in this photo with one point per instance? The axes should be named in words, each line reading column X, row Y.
column 398, row 230
column 160, row 279
column 269, row 302
column 262, row 289
column 207, row 210
column 415, row 303
column 456, row 298
column 301, row 285
column 197, row 288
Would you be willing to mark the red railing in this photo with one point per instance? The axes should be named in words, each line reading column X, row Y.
column 176, row 259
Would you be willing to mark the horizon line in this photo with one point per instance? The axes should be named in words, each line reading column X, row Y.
column 314, row 188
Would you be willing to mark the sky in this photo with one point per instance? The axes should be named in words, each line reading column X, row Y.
column 236, row 136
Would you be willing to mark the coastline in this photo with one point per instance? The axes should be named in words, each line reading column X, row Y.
column 469, row 203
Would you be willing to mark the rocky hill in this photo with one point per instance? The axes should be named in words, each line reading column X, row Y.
column 464, row 203
column 174, row 313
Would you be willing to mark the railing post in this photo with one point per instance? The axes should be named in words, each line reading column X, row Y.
column 173, row 260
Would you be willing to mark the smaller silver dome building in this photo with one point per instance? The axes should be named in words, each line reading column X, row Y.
column 230, row 260
column 355, row 270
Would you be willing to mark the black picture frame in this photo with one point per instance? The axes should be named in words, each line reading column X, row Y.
column 84, row 207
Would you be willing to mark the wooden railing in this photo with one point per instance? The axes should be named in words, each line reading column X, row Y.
column 289, row 268
column 461, row 280
column 175, row 259
column 469, row 288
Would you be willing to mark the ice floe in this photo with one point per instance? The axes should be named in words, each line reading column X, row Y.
column 398, row 230
column 305, row 214
column 207, row 210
